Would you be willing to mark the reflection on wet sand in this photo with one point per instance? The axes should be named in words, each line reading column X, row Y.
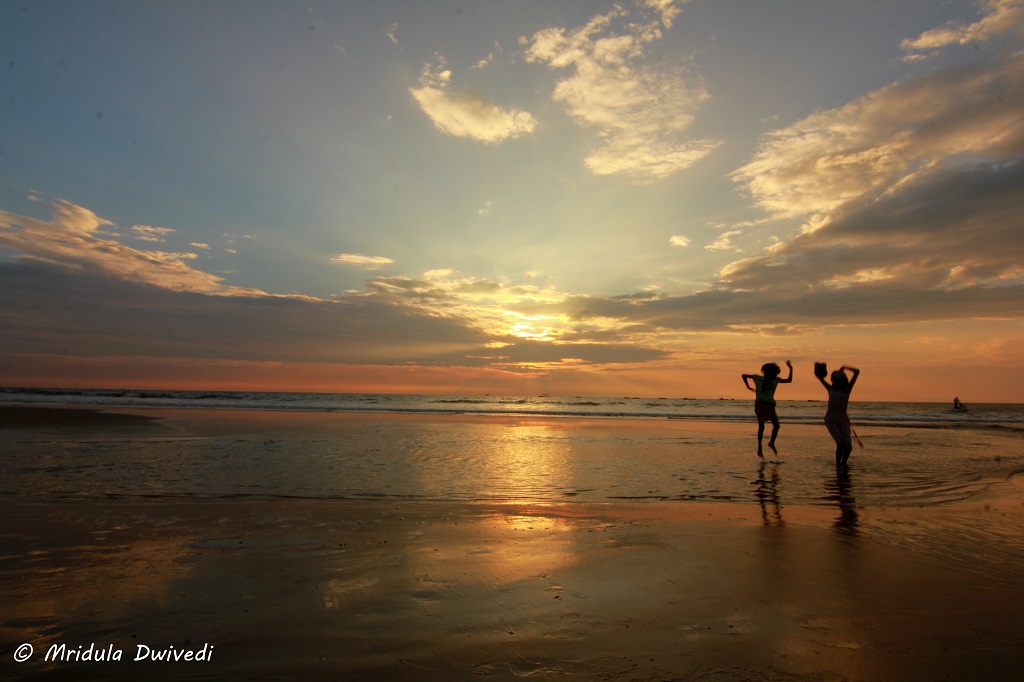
column 434, row 592
column 514, row 460
column 767, row 493
column 66, row 576
column 840, row 490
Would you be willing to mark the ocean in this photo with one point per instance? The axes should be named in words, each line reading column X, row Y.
column 997, row 415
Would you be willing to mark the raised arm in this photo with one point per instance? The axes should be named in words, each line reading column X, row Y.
column 789, row 379
column 854, row 371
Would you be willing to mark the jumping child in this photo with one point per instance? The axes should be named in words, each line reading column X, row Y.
column 836, row 419
column 764, row 399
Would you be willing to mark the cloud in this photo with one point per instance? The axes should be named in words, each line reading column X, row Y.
column 724, row 241
column 488, row 60
column 999, row 17
column 465, row 115
column 171, row 256
column 92, row 314
column 911, row 196
column 640, row 114
column 76, row 218
column 947, row 228
column 116, row 301
column 679, row 240
column 915, row 186
column 668, row 9
column 503, row 311
column 787, row 312
column 911, row 199
column 369, row 262
column 148, row 233
column 877, row 141
column 72, row 239
column 532, row 353
column 520, row 320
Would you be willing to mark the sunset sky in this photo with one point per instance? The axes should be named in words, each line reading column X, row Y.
column 574, row 197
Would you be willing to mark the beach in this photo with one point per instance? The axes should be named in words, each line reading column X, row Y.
column 691, row 560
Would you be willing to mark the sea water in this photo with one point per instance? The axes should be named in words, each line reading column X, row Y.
column 556, row 449
column 809, row 411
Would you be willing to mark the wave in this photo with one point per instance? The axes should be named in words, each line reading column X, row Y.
column 924, row 415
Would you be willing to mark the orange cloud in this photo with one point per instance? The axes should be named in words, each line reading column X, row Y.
column 72, row 239
column 999, row 17
column 371, row 262
column 886, row 137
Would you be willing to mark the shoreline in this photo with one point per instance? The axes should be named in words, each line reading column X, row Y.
column 24, row 416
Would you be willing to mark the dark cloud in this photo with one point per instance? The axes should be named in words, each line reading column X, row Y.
column 878, row 141
column 775, row 313
column 916, row 193
column 949, row 228
column 76, row 237
column 49, row 309
column 527, row 351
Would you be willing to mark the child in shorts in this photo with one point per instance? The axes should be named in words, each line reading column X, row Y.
column 764, row 399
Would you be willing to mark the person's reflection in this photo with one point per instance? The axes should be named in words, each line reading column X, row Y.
column 840, row 491
column 767, row 493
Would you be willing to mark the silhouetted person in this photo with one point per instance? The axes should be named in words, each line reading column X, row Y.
column 836, row 419
column 764, row 399
column 957, row 405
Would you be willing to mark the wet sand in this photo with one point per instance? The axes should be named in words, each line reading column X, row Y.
column 385, row 590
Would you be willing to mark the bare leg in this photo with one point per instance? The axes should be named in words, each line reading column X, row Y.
column 760, row 437
column 841, row 436
column 775, row 432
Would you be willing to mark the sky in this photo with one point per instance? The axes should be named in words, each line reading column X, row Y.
column 574, row 197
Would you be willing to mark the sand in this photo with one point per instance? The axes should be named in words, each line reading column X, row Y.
column 385, row 590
